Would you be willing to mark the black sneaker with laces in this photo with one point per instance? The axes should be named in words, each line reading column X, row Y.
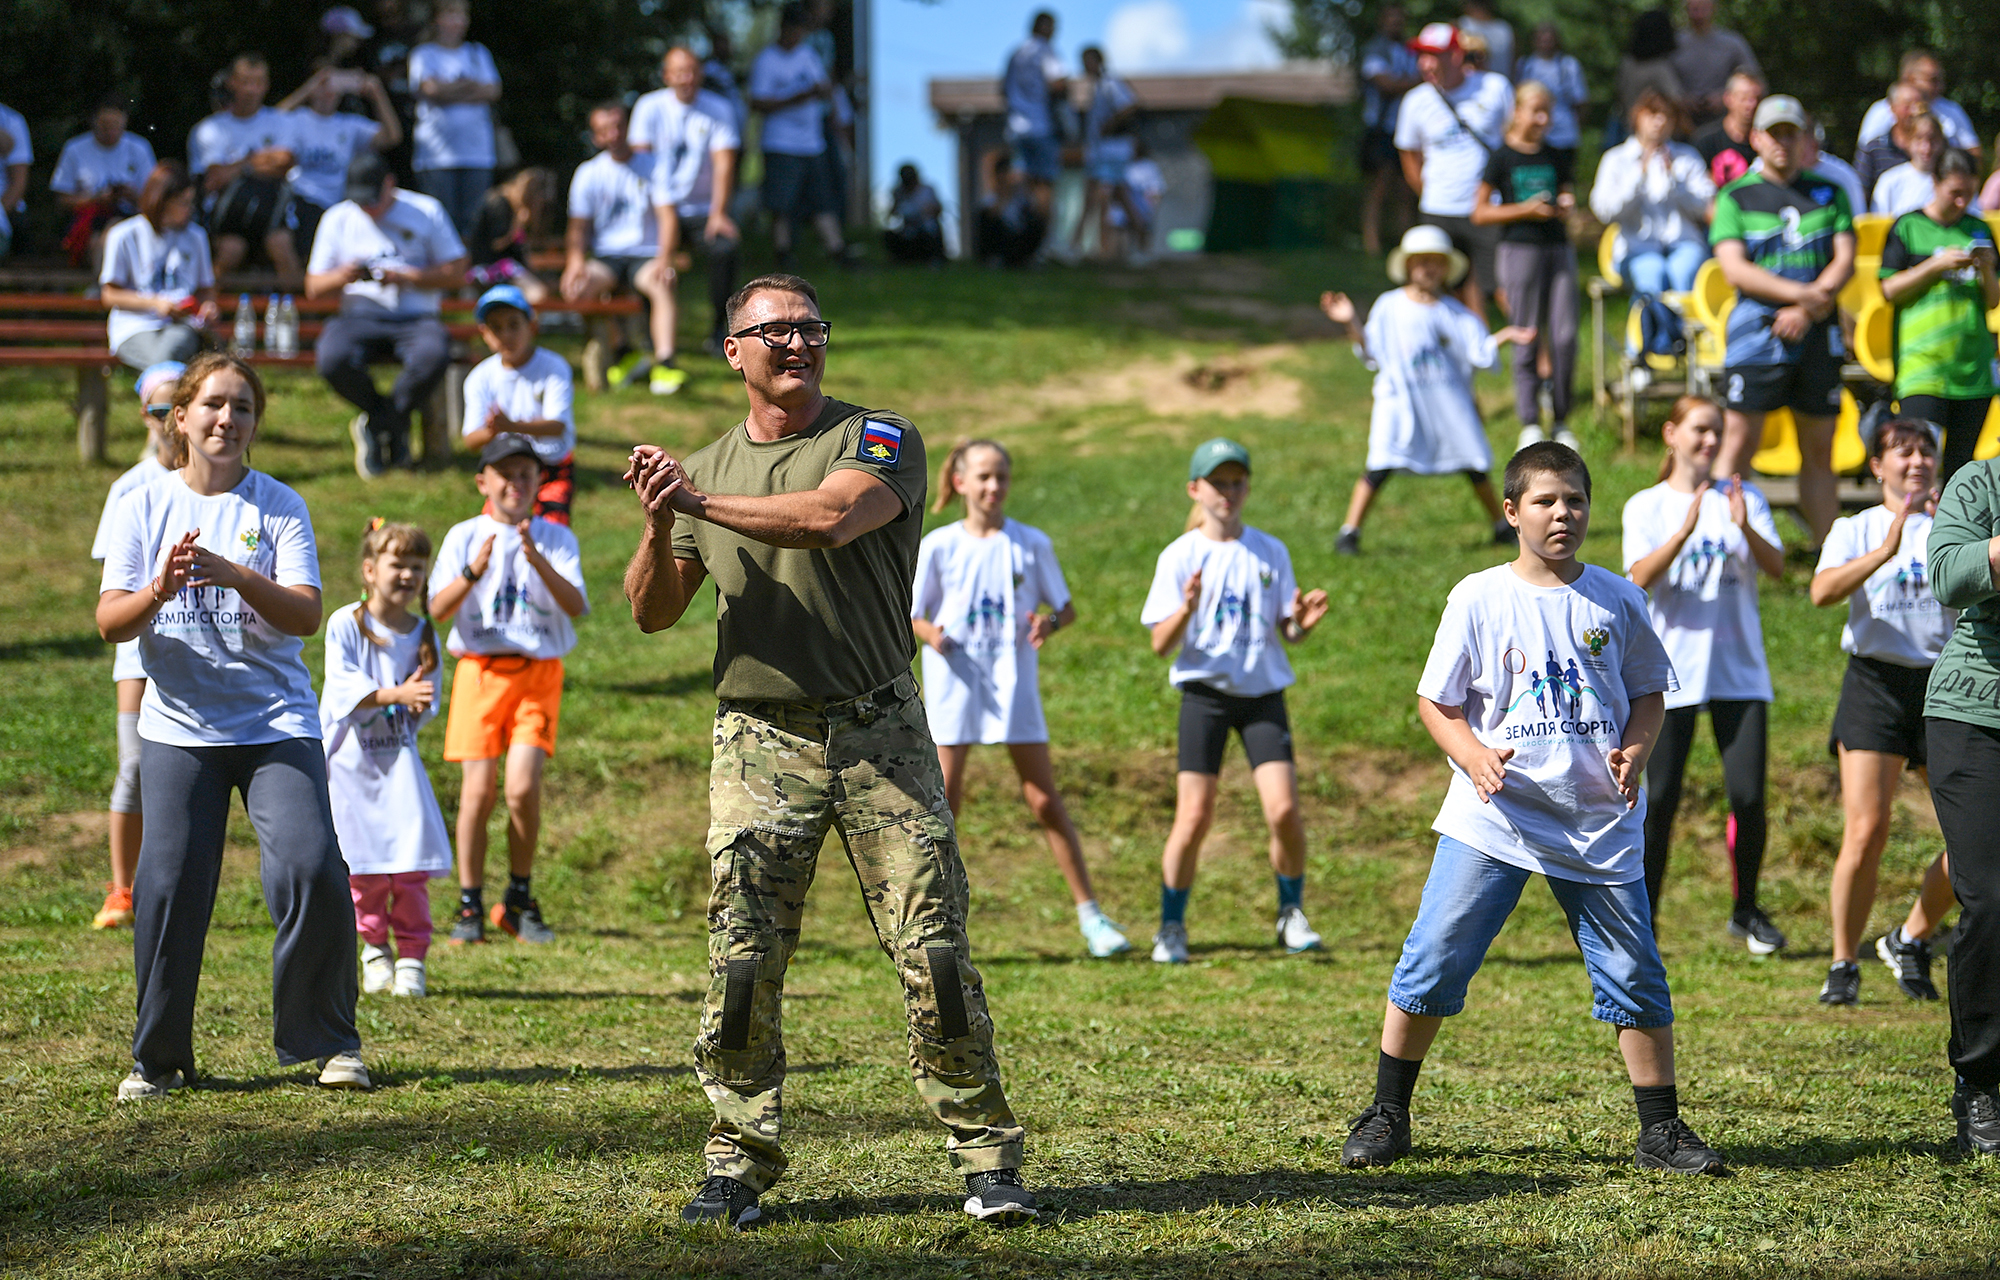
column 1759, row 935
column 1910, row 960
column 1378, row 1137
column 1348, row 543
column 998, row 1197
column 1978, row 1114
column 1672, row 1146
column 523, row 921
column 725, row 1203
column 1843, row 983
column 469, row 927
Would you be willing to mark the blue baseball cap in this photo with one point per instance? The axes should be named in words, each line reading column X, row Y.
column 154, row 374
column 502, row 295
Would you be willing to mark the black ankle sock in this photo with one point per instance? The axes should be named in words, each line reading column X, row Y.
column 1656, row 1102
column 1396, row 1079
column 518, row 891
column 475, row 897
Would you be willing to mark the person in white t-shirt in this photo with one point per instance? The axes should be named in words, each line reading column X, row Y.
column 387, row 253
column 17, row 152
column 1447, row 129
column 157, row 276
column 456, row 84
column 1545, row 688
column 215, row 572
column 1921, row 69
column 382, row 688
column 980, row 587
column 1877, row 561
column 523, row 387
column 1696, row 544
column 1423, row 346
column 612, row 243
column 1108, row 140
column 1911, row 184
column 241, row 155
column 97, row 180
column 126, row 825
column 509, row 582
column 1223, row 605
column 692, row 136
column 790, row 87
column 1035, row 88
column 325, row 141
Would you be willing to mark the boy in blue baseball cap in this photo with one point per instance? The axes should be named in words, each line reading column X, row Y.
column 526, row 389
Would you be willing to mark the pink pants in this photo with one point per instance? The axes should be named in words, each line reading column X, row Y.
column 409, row 912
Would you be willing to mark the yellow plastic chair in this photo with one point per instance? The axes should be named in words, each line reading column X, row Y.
column 1870, row 230
column 1850, row 456
column 1610, row 248
column 1778, row 451
column 1712, row 296
column 1864, row 286
column 1656, row 361
column 1875, row 341
column 1989, row 435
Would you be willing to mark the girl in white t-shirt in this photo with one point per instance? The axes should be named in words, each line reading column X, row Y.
column 1222, row 597
column 977, row 608
column 381, row 689
column 1877, row 561
column 126, row 827
column 214, row 571
column 1697, row 544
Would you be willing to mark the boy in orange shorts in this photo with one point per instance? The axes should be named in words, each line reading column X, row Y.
column 509, row 582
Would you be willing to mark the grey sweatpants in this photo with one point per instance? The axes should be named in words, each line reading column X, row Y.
column 185, row 792
column 1540, row 283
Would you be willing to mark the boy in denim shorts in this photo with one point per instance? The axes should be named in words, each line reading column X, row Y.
column 1546, row 689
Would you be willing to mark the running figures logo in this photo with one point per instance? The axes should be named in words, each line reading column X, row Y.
column 1563, row 701
column 1905, row 590
column 1700, row 560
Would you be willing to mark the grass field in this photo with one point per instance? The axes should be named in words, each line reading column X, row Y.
column 537, row 1115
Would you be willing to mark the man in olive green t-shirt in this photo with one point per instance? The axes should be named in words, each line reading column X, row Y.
column 808, row 515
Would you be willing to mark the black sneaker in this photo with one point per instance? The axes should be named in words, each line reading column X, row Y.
column 1978, row 1114
column 999, row 1198
column 1379, row 1136
column 1672, row 1146
column 1843, row 984
column 725, row 1203
column 1910, row 961
column 1348, row 543
column 469, row 927
column 1759, row 935
column 523, row 921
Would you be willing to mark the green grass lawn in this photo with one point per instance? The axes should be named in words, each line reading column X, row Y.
column 538, row 1116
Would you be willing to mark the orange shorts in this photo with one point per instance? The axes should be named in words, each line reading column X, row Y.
column 503, row 700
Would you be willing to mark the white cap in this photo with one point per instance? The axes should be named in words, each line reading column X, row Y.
column 1779, row 108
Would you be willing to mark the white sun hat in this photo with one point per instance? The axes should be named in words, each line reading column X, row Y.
column 1425, row 239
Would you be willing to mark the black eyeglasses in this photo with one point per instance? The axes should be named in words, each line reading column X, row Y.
column 777, row 334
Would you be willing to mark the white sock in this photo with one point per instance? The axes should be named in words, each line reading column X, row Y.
column 1087, row 912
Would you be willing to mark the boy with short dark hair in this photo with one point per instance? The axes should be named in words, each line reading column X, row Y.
column 524, row 388
column 509, row 581
column 1547, row 754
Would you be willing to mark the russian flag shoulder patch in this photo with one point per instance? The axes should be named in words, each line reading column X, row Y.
column 881, row 443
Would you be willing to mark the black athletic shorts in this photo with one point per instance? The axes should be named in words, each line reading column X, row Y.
column 1809, row 385
column 251, row 207
column 1882, row 709
column 1207, row 716
column 1480, row 244
column 1378, row 151
column 625, row 268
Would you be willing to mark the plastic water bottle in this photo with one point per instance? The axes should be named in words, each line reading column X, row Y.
column 274, row 341
column 288, row 327
column 243, row 341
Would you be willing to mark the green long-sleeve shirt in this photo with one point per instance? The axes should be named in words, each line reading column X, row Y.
column 1965, row 683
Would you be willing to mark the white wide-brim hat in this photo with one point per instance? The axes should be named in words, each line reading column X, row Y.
column 1425, row 239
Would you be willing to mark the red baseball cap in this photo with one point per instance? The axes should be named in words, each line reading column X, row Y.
column 1436, row 37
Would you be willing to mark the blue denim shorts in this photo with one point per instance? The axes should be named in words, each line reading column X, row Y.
column 1470, row 895
column 1038, row 157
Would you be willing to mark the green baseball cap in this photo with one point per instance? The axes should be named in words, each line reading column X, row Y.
column 1210, row 454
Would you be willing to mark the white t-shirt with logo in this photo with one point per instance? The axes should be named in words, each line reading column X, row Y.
column 174, row 264
column 126, row 664
column 510, row 610
column 323, row 146
column 684, row 137
column 1705, row 605
column 1232, row 644
column 455, row 135
column 1454, row 153
column 85, row 167
column 413, row 232
column 1893, row 616
column 384, row 811
column 539, row 391
column 982, row 592
column 227, row 138
column 617, row 200
column 218, row 674
column 1550, row 672
column 779, row 73
column 1423, row 417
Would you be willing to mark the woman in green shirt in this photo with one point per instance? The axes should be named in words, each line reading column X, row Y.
column 1938, row 273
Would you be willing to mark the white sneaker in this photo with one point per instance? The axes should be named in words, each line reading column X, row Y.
column 1103, row 937
column 378, row 968
column 1567, row 437
column 1294, row 934
column 1530, row 435
column 344, row 1071
column 1170, row 944
column 137, row 1088
column 410, row 978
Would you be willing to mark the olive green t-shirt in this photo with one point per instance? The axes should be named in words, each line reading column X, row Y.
column 822, row 625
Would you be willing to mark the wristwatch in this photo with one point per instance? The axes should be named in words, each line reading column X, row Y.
column 469, row 573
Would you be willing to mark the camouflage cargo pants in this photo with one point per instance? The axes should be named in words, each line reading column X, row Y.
column 784, row 774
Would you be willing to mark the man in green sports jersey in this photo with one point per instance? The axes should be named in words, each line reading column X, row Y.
column 1938, row 273
column 1785, row 239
